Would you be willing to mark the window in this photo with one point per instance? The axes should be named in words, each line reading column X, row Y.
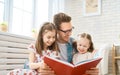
column 41, row 12
column 22, row 17
column 1, row 10
column 55, row 6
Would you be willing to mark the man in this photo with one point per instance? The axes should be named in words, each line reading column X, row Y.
column 64, row 30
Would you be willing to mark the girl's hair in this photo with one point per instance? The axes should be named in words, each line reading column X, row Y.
column 87, row 36
column 39, row 42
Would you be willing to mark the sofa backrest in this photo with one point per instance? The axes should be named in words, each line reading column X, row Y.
column 13, row 51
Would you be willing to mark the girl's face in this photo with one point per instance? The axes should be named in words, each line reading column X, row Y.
column 83, row 45
column 48, row 38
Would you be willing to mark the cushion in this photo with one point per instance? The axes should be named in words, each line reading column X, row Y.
column 103, row 52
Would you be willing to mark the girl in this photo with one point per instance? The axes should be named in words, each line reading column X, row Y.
column 45, row 45
column 84, row 47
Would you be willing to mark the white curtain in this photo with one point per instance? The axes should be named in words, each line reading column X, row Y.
column 55, row 6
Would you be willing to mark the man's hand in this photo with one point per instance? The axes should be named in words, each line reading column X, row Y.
column 92, row 71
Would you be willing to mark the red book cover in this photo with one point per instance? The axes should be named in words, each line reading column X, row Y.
column 65, row 68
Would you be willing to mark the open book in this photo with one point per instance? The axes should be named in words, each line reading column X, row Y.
column 64, row 68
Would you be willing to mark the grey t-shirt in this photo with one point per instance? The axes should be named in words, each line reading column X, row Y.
column 63, row 50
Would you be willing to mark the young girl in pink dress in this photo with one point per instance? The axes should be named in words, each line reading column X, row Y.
column 44, row 45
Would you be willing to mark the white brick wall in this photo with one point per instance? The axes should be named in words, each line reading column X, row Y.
column 104, row 28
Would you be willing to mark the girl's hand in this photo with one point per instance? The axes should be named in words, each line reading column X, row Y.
column 92, row 71
column 44, row 69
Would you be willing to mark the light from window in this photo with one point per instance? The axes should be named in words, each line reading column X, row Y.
column 1, row 0
column 22, row 17
column 41, row 12
column 1, row 10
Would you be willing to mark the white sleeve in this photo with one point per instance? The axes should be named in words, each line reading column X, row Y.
column 74, row 58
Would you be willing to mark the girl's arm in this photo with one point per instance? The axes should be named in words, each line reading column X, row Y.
column 31, row 61
column 40, row 66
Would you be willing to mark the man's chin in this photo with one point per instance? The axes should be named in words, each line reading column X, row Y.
column 66, row 40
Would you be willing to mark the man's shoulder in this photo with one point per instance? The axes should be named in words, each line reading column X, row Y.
column 71, row 40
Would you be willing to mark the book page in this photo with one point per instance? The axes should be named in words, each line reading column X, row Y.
column 86, row 61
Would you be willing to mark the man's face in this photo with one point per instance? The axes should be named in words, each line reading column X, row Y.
column 64, row 32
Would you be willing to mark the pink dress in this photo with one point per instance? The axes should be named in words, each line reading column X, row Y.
column 38, row 59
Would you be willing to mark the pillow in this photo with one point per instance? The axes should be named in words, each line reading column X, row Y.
column 103, row 52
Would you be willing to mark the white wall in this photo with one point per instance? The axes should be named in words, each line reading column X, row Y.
column 103, row 28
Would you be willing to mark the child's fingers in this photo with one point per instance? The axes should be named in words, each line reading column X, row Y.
column 93, row 71
column 44, row 66
column 94, row 68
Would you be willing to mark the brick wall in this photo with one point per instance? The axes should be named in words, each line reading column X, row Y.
column 104, row 28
